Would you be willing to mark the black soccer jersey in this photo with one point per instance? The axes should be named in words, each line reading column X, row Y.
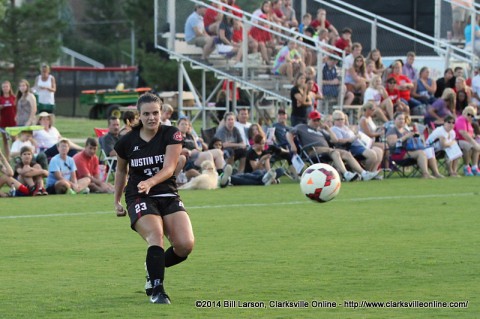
column 145, row 159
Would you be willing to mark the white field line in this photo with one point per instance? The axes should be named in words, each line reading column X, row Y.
column 303, row 202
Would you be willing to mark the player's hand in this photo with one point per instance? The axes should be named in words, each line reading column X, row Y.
column 120, row 210
column 144, row 187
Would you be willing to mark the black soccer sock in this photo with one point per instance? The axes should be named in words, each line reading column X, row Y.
column 171, row 259
column 156, row 264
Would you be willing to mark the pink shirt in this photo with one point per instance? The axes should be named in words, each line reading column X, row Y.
column 462, row 124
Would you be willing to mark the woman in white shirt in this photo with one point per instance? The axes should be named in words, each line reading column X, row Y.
column 45, row 87
column 377, row 94
column 444, row 137
column 373, row 155
column 48, row 138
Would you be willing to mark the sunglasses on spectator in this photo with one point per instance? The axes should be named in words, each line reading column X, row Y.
column 470, row 115
column 451, row 122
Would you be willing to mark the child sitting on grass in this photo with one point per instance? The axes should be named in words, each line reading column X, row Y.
column 31, row 174
column 6, row 178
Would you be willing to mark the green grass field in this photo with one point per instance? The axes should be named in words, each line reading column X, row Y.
column 393, row 240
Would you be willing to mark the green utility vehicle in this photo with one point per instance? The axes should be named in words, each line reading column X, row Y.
column 106, row 103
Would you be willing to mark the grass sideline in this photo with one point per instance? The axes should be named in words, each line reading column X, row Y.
column 398, row 239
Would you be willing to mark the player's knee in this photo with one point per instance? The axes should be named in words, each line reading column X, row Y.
column 184, row 247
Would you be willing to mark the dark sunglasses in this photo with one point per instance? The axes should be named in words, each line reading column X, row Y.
column 470, row 115
column 451, row 122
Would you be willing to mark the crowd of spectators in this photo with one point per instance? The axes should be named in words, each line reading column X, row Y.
column 41, row 161
column 387, row 92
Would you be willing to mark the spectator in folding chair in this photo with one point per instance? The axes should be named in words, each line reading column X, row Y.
column 467, row 142
column 397, row 137
column 232, row 141
column 107, row 141
column 277, row 153
column 442, row 138
column 281, row 129
column 87, row 164
column 314, row 134
column 373, row 155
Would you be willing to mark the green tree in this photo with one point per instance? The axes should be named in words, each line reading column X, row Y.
column 30, row 34
column 107, row 30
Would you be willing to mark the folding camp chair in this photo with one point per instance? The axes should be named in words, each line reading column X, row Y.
column 406, row 167
column 208, row 134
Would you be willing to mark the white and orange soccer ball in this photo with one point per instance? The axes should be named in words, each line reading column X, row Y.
column 320, row 182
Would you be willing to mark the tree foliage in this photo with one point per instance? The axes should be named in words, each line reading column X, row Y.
column 30, row 34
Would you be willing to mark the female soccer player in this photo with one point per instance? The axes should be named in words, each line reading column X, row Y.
column 149, row 154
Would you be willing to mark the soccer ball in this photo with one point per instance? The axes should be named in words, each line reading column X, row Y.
column 320, row 182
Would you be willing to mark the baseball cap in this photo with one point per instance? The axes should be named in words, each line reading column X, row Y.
column 43, row 114
column 314, row 115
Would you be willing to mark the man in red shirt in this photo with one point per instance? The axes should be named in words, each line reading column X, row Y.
column 88, row 166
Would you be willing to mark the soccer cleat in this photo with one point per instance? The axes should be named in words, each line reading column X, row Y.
column 225, row 177
column 475, row 172
column 86, row 190
column 350, row 177
column 43, row 191
column 269, row 177
column 467, row 171
column 366, row 175
column 159, row 296
column 71, row 192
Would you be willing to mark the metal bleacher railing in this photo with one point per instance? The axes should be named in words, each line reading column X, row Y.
column 251, row 77
column 392, row 31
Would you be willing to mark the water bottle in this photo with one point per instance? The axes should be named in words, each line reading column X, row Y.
column 13, row 191
column 103, row 169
